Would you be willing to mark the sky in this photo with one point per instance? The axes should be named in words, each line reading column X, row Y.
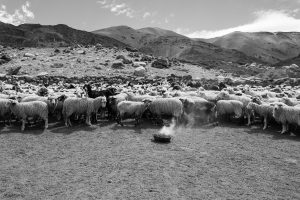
column 193, row 18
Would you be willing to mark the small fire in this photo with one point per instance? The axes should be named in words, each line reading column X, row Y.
column 168, row 130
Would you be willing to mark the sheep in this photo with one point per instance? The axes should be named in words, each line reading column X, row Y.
column 199, row 107
column 226, row 96
column 49, row 100
column 132, row 97
column 29, row 109
column 166, row 106
column 290, row 101
column 286, row 115
column 264, row 110
column 131, row 108
column 112, row 103
column 86, row 106
column 229, row 107
column 5, row 110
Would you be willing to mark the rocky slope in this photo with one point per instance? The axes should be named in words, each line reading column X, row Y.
column 266, row 46
column 36, row 35
column 166, row 43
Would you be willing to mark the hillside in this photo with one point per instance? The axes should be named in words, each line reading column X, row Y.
column 36, row 35
column 295, row 60
column 166, row 43
column 266, row 46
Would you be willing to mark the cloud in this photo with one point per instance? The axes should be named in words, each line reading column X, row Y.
column 18, row 17
column 266, row 20
column 117, row 8
column 146, row 14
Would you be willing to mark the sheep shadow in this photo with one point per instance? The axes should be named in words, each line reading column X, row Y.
column 30, row 130
column 274, row 131
column 75, row 128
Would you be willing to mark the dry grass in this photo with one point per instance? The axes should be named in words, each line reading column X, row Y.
column 107, row 161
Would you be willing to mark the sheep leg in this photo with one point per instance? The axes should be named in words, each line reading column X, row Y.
column 249, row 119
column 119, row 119
column 283, row 128
column 88, row 120
column 265, row 123
column 69, row 122
column 23, row 124
column 46, row 123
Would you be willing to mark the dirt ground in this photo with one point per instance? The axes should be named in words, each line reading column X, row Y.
column 107, row 161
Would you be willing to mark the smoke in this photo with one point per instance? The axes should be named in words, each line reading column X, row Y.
column 169, row 130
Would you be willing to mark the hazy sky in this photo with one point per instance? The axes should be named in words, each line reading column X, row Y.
column 194, row 18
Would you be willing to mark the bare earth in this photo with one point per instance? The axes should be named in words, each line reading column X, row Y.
column 107, row 161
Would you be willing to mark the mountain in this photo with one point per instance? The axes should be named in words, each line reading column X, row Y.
column 160, row 42
column 269, row 47
column 33, row 35
column 295, row 60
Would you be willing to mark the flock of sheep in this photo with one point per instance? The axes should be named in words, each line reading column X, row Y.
column 73, row 102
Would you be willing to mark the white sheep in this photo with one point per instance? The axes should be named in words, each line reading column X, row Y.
column 29, row 109
column 199, row 107
column 140, row 98
column 229, row 107
column 85, row 106
column 50, row 101
column 166, row 106
column 286, row 115
column 131, row 108
column 290, row 101
column 264, row 110
column 226, row 96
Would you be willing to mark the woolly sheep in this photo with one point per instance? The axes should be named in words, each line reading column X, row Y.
column 86, row 106
column 50, row 101
column 131, row 108
column 264, row 110
column 286, row 115
column 4, row 109
column 290, row 101
column 198, row 107
column 229, row 107
column 166, row 106
column 226, row 96
column 140, row 98
column 29, row 109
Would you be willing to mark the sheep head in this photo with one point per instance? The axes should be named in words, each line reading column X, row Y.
column 147, row 102
column 12, row 102
column 222, row 96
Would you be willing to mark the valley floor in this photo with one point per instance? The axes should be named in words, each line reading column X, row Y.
column 107, row 161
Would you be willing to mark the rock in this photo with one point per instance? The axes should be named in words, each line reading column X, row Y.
column 98, row 46
column 124, row 59
column 131, row 49
column 66, row 51
column 56, row 51
column 161, row 63
column 81, row 52
column 30, row 55
column 5, row 57
column 134, row 55
column 97, row 67
column 14, row 70
column 147, row 58
column 293, row 71
column 57, row 65
column 43, row 74
column 140, row 71
column 28, row 78
column 139, row 64
column 117, row 65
